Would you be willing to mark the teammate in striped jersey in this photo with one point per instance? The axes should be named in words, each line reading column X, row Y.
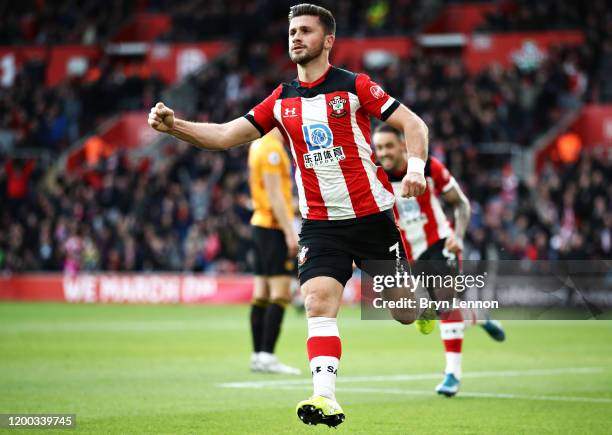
column 345, row 200
column 428, row 237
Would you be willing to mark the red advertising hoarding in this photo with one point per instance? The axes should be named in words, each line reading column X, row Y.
column 349, row 52
column 68, row 60
column 461, row 18
column 128, row 288
column 594, row 126
column 592, row 129
column 507, row 49
column 174, row 61
column 170, row 61
column 12, row 60
column 128, row 130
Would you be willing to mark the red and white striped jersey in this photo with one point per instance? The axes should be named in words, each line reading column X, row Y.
column 422, row 220
column 327, row 126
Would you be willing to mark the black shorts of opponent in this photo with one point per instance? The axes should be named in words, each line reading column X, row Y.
column 328, row 248
column 271, row 254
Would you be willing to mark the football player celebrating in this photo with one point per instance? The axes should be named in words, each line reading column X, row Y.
column 345, row 200
column 430, row 241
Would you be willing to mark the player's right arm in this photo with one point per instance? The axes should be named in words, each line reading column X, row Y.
column 203, row 135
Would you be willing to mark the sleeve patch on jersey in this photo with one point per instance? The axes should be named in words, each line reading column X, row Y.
column 274, row 158
column 377, row 91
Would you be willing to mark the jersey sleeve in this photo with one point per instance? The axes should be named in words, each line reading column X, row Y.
column 271, row 160
column 374, row 99
column 442, row 178
column 262, row 115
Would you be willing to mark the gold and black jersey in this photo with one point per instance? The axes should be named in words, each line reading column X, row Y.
column 268, row 155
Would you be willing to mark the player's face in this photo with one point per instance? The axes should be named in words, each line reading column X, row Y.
column 306, row 39
column 390, row 151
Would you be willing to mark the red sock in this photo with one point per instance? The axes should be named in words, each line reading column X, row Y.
column 324, row 352
column 451, row 331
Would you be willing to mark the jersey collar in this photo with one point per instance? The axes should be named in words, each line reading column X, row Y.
column 400, row 173
column 317, row 81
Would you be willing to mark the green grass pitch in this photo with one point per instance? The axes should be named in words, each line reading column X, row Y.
column 166, row 369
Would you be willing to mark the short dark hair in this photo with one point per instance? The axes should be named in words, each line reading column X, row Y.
column 386, row 128
column 325, row 16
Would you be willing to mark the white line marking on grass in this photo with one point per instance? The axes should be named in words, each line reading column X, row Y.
column 417, row 377
column 476, row 394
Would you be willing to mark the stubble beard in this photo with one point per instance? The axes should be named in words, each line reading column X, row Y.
column 307, row 56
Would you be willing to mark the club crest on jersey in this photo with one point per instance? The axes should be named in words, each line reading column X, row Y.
column 302, row 255
column 337, row 104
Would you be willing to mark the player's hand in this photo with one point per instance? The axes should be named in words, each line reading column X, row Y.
column 292, row 244
column 161, row 118
column 454, row 244
column 413, row 184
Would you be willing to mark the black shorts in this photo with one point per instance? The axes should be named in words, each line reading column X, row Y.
column 328, row 248
column 271, row 254
column 437, row 261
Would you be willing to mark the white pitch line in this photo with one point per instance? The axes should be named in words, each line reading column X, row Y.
column 477, row 394
column 417, row 377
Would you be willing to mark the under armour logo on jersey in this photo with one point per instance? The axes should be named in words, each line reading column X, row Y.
column 289, row 112
column 317, row 136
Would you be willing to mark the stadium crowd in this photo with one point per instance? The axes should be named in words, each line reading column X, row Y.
column 43, row 22
column 33, row 116
column 199, row 19
column 192, row 211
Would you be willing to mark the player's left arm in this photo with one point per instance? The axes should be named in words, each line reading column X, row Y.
column 461, row 206
column 416, row 135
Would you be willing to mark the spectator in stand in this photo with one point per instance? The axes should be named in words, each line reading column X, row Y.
column 18, row 178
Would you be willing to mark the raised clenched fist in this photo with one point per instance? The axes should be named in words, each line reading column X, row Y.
column 413, row 184
column 161, row 118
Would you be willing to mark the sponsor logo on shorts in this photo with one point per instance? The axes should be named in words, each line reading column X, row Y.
column 302, row 255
